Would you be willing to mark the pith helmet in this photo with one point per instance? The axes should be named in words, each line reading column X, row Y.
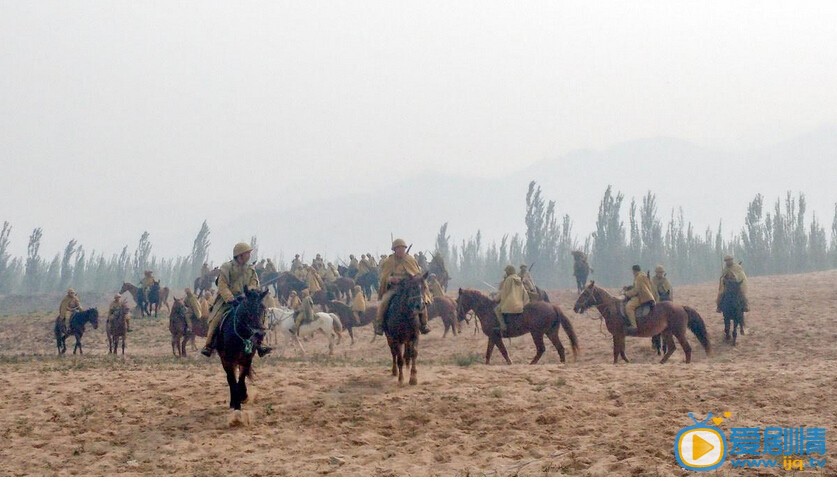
column 305, row 292
column 71, row 291
column 728, row 257
column 659, row 269
column 509, row 270
column 398, row 243
column 523, row 266
column 241, row 248
column 636, row 268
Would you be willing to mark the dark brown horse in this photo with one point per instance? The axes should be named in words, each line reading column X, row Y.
column 116, row 327
column 343, row 287
column 368, row 281
column 144, row 305
column 206, row 281
column 732, row 308
column 538, row 319
column 77, row 323
column 285, row 283
column 445, row 307
column 666, row 318
column 347, row 318
column 401, row 325
column 437, row 266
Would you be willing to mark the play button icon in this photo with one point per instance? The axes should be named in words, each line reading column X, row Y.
column 700, row 448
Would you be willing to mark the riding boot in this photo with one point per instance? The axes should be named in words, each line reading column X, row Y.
column 423, row 322
column 264, row 350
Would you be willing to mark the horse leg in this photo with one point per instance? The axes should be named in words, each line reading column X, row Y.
column 489, row 350
column 243, row 372
column 411, row 357
column 393, row 349
column 502, row 348
column 235, row 401
column 123, row 346
column 174, row 346
column 726, row 327
column 351, row 335
column 656, row 344
column 670, row 346
column 735, row 328
column 556, row 341
column 537, row 337
column 684, row 343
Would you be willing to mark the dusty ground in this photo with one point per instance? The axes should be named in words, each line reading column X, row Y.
column 149, row 414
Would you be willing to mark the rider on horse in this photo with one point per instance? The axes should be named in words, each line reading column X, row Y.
column 114, row 310
column 735, row 272
column 371, row 260
column 513, row 297
column 358, row 304
column 528, row 282
column 435, row 287
column 306, row 311
column 194, row 306
column 641, row 293
column 146, row 284
column 234, row 276
column 70, row 304
column 397, row 267
column 662, row 287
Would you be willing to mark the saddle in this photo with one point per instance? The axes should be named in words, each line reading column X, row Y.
column 641, row 312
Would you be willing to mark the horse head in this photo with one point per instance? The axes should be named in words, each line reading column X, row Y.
column 93, row 317
column 252, row 307
column 178, row 308
column 588, row 298
column 125, row 287
column 412, row 290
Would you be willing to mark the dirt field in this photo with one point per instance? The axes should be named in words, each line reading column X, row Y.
column 149, row 414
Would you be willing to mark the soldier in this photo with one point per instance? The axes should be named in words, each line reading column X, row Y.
column 260, row 265
column 296, row 264
column 234, row 276
column 358, row 304
column 194, row 306
column 70, row 304
column 353, row 266
column 371, row 260
column 205, row 302
column 639, row 294
column 114, row 310
column 435, row 287
column 330, row 273
column 662, row 287
column 205, row 270
column 270, row 267
column 293, row 301
column 315, row 284
column 362, row 266
column 306, row 310
column 381, row 261
column 513, row 297
column 146, row 283
column 317, row 263
column 421, row 260
column 528, row 282
column 733, row 271
column 397, row 267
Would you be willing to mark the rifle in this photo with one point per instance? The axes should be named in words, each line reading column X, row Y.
column 408, row 249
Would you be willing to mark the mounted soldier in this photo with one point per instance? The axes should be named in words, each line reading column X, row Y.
column 662, row 287
column 435, row 287
column 528, row 282
column 146, row 283
column 397, row 267
column 362, row 266
column 270, row 267
column 306, row 311
column 513, row 297
column 194, row 309
column 115, row 308
column 294, row 301
column 353, row 266
column 372, row 262
column 318, row 263
column 421, row 260
column 315, row 283
column 235, row 275
column 70, row 304
column 581, row 269
column 296, row 264
column 733, row 272
column 358, row 304
column 639, row 294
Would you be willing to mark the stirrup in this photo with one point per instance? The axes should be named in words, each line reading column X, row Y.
column 264, row 350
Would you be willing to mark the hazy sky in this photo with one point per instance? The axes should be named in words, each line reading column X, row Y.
column 118, row 117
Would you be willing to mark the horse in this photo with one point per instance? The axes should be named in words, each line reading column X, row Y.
column 581, row 270
column 206, row 281
column 347, row 317
column 267, row 279
column 282, row 318
column 539, row 295
column 116, row 328
column 666, row 318
column 343, row 287
column 445, row 308
column 285, row 283
column 178, row 328
column 77, row 323
column 137, row 294
column 368, row 281
column 239, row 334
column 401, row 325
column 437, row 266
column 538, row 319
column 321, row 298
column 157, row 296
column 732, row 308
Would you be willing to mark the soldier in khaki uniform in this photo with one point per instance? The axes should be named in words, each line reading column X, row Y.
column 330, row 273
column 639, row 294
column 194, row 306
column 528, row 282
column 318, row 263
column 371, row 260
column 513, row 297
column 147, row 282
column 315, row 284
column 362, row 266
column 353, row 265
column 234, row 276
column 306, row 310
column 293, row 301
column 205, row 270
column 734, row 271
column 69, row 305
column 296, row 264
column 435, row 287
column 113, row 310
column 397, row 267
column 358, row 303
column 270, row 267
column 662, row 287
column 204, row 304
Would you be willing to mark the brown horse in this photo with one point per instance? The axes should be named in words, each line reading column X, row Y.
column 116, row 328
column 347, row 317
column 206, row 281
column 666, row 318
column 538, row 319
column 178, row 328
column 445, row 307
column 162, row 297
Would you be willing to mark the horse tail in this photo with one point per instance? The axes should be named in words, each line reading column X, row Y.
column 338, row 326
column 698, row 327
column 568, row 327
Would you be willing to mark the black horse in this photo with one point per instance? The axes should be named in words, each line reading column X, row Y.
column 368, row 281
column 77, row 323
column 401, row 325
column 239, row 336
column 732, row 307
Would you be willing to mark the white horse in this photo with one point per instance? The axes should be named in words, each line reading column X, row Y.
column 282, row 318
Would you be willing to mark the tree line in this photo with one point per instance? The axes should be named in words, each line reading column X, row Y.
column 780, row 241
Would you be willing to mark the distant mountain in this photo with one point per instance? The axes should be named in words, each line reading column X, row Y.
column 709, row 184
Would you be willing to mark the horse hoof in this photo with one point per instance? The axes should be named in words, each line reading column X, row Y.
column 235, row 418
column 413, row 381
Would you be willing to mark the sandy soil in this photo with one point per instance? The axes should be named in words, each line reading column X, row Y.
column 149, row 414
